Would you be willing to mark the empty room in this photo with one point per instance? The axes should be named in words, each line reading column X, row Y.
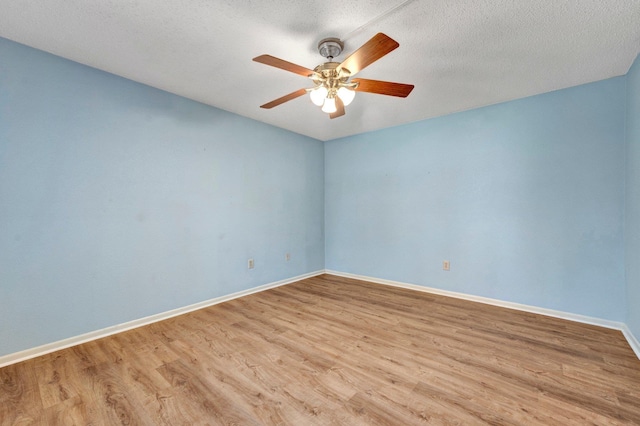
column 281, row 213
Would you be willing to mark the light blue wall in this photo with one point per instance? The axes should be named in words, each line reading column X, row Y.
column 118, row 201
column 632, row 222
column 525, row 198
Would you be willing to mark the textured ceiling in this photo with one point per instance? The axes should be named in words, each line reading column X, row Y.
column 458, row 54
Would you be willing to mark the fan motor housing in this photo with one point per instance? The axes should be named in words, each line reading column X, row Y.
column 331, row 73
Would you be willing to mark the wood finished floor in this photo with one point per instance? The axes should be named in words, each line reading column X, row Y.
column 331, row 350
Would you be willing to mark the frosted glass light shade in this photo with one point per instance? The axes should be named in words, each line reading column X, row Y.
column 329, row 105
column 318, row 95
column 346, row 95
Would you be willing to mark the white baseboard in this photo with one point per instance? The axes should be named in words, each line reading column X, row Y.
column 98, row 334
column 633, row 342
column 108, row 331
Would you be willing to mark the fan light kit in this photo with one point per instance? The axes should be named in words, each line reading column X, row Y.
column 330, row 80
column 333, row 89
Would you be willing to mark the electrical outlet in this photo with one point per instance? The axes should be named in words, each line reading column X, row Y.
column 287, row 257
column 446, row 266
column 250, row 264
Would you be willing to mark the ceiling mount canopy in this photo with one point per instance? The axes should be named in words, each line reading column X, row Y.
column 333, row 89
column 330, row 47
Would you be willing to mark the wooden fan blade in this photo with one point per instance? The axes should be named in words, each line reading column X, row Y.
column 339, row 109
column 383, row 87
column 284, row 65
column 284, row 99
column 371, row 51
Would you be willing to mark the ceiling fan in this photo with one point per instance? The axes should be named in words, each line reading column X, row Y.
column 333, row 89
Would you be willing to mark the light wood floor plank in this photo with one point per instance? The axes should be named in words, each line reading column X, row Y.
column 331, row 350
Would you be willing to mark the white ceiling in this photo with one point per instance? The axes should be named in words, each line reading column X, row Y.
column 459, row 54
